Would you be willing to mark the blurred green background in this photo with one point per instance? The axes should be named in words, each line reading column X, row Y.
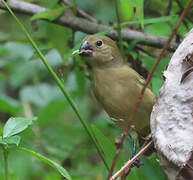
column 27, row 89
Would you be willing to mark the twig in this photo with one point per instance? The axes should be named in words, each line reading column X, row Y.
column 81, row 13
column 128, row 164
column 134, row 110
column 83, row 25
column 119, row 26
column 189, row 166
column 144, row 51
column 123, row 176
column 167, row 13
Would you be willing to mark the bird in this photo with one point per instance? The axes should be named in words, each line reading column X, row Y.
column 117, row 86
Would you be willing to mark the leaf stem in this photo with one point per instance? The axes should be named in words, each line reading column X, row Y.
column 46, row 160
column 5, row 156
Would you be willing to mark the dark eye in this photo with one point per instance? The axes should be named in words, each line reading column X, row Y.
column 99, row 43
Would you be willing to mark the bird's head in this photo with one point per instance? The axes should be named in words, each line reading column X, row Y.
column 100, row 51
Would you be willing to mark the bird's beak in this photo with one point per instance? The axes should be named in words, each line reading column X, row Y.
column 85, row 49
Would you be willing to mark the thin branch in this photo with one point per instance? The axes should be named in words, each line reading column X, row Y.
column 83, row 25
column 119, row 26
column 136, row 106
column 81, row 13
column 167, row 13
column 123, row 177
column 128, row 164
column 144, row 51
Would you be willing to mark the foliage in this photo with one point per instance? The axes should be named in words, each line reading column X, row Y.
column 28, row 90
column 14, row 126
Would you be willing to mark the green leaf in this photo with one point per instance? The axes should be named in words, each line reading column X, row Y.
column 156, row 84
column 162, row 29
column 107, row 147
column 151, row 170
column 10, row 105
column 127, row 10
column 149, row 62
column 156, row 80
column 1, row 140
column 102, row 33
column 10, row 140
column 156, row 166
column 3, row 50
column 50, row 15
column 15, row 125
column 138, row 4
column 150, row 20
column 51, row 163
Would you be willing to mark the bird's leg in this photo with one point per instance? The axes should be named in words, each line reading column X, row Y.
column 137, row 162
column 133, row 135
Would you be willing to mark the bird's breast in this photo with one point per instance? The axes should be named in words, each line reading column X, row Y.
column 112, row 94
column 117, row 92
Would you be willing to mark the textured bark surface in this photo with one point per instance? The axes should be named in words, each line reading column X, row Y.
column 172, row 115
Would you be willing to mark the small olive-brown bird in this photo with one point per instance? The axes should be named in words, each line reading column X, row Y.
column 116, row 85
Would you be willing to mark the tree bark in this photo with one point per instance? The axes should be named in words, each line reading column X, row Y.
column 172, row 115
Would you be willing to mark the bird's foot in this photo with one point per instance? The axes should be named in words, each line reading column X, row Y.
column 137, row 163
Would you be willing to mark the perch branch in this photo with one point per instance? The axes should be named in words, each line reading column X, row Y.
column 81, row 13
column 128, row 164
column 83, row 25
